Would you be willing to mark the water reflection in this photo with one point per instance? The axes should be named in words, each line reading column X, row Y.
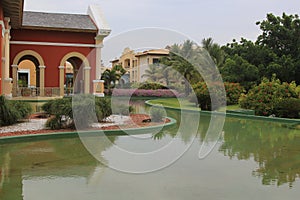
column 64, row 166
column 45, row 160
column 276, row 149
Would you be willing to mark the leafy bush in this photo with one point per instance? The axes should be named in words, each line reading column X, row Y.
column 151, row 86
column 202, row 98
column 288, row 108
column 266, row 95
column 84, row 106
column 103, row 108
column 146, row 93
column 61, row 111
column 12, row 111
column 157, row 114
column 233, row 93
column 123, row 109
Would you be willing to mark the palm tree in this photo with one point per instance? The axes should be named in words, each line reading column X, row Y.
column 111, row 76
column 181, row 58
column 215, row 51
column 152, row 73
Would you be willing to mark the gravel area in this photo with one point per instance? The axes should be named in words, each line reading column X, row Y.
column 112, row 121
column 39, row 124
column 31, row 125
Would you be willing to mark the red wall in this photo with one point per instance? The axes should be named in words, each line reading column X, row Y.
column 1, row 47
column 52, row 55
column 52, row 36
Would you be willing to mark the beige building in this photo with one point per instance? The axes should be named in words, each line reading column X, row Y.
column 135, row 63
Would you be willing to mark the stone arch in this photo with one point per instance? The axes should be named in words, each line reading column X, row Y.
column 85, row 72
column 24, row 53
column 75, row 54
column 38, row 60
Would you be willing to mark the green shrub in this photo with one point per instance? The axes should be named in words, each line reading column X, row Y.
column 203, row 98
column 61, row 112
column 151, row 86
column 233, row 92
column 84, row 106
column 24, row 109
column 266, row 95
column 123, row 109
column 157, row 114
column 12, row 111
column 288, row 108
column 103, row 108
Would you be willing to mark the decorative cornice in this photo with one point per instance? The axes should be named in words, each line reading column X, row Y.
column 14, row 66
column 98, row 81
column 54, row 44
column 87, row 68
column 61, row 67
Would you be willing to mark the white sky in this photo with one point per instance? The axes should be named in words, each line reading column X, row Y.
column 223, row 20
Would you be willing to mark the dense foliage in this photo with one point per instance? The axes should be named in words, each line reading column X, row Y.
column 145, row 93
column 203, row 99
column 111, row 76
column 85, row 107
column 276, row 51
column 264, row 97
column 151, row 86
column 288, row 108
column 13, row 111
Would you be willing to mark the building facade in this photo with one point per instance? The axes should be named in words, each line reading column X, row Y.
column 43, row 53
column 135, row 63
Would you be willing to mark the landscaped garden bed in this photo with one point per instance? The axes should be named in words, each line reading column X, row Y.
column 133, row 121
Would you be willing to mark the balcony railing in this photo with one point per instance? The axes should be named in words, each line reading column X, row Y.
column 36, row 91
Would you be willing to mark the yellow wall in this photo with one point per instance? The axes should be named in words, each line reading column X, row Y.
column 139, row 62
column 27, row 64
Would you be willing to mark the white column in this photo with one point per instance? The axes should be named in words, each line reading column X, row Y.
column 6, row 49
column 6, row 85
column 15, row 80
column 61, row 80
column 98, row 60
column 87, row 80
column 42, row 80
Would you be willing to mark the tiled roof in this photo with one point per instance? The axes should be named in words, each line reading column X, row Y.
column 58, row 21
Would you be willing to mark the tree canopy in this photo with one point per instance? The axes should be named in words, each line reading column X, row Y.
column 276, row 51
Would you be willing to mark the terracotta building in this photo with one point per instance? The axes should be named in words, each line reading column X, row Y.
column 135, row 63
column 43, row 53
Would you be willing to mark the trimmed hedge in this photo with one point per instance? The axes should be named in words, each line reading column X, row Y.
column 146, row 93
column 151, row 86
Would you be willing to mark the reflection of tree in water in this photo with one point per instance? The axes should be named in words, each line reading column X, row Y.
column 276, row 149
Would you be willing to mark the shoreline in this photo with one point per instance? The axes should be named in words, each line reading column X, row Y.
column 134, row 122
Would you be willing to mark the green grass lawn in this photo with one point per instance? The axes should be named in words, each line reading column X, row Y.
column 184, row 103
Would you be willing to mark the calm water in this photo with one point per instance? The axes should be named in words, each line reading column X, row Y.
column 252, row 160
